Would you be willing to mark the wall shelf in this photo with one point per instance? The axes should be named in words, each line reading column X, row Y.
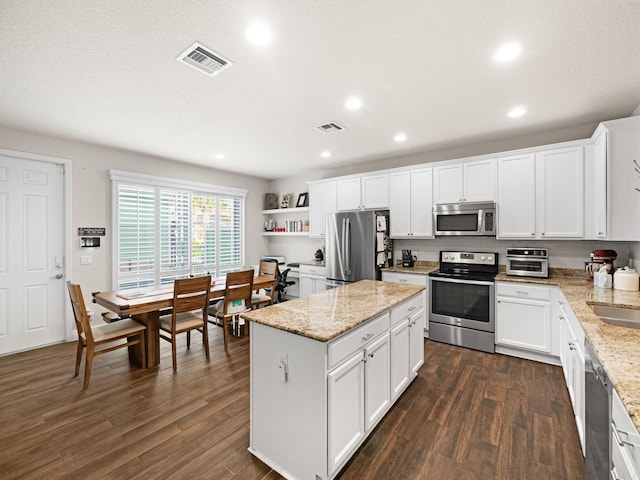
column 285, row 234
column 277, row 211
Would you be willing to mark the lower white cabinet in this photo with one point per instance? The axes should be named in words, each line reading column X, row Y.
column 523, row 316
column 312, row 279
column 314, row 403
column 572, row 359
column 625, row 443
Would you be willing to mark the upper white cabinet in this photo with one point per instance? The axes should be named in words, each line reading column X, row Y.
column 560, row 193
column 410, row 203
column 367, row 192
column 619, row 141
column 322, row 201
column 517, row 196
column 541, row 194
column 473, row 181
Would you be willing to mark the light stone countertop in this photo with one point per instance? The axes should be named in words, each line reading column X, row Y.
column 618, row 348
column 325, row 315
column 421, row 267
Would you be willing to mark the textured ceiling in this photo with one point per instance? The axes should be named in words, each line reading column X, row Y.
column 106, row 73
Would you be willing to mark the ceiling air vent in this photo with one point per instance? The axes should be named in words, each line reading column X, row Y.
column 330, row 127
column 203, row 59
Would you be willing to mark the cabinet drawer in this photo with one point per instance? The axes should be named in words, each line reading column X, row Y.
column 523, row 290
column 406, row 308
column 313, row 269
column 408, row 278
column 344, row 346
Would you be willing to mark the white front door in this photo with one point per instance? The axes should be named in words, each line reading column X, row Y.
column 32, row 282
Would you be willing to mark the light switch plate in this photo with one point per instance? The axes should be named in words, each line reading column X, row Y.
column 86, row 259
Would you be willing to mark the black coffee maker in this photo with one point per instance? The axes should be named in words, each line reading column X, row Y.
column 408, row 260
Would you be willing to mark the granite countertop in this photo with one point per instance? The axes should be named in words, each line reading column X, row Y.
column 618, row 348
column 325, row 315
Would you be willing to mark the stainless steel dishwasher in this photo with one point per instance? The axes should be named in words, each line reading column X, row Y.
column 597, row 412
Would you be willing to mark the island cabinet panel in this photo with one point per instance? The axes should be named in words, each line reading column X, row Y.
column 314, row 403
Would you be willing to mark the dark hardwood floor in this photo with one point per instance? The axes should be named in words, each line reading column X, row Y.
column 468, row 415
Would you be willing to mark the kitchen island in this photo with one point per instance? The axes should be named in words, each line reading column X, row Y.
column 326, row 368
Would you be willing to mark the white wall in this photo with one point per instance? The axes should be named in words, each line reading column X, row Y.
column 91, row 195
column 634, row 254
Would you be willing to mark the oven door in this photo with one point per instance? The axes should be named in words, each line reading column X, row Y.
column 464, row 303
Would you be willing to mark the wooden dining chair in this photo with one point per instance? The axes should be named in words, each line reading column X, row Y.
column 189, row 312
column 267, row 269
column 92, row 336
column 237, row 299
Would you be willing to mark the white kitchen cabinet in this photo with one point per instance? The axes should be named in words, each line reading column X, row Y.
column 517, row 196
column 572, row 359
column 377, row 395
column 410, row 203
column 322, row 201
column 622, row 176
column 598, row 189
column 312, row 279
column 471, row 181
column 417, row 323
column 523, row 317
column 346, row 415
column 625, row 442
column 541, row 194
column 399, row 337
column 560, row 193
column 366, row 192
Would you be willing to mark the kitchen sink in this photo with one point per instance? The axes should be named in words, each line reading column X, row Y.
column 621, row 317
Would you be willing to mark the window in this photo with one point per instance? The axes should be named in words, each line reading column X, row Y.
column 167, row 229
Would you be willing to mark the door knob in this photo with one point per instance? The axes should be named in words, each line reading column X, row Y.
column 57, row 277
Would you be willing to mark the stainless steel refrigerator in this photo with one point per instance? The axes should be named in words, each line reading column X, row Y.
column 357, row 246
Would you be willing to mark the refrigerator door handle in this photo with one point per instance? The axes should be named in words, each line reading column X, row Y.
column 347, row 250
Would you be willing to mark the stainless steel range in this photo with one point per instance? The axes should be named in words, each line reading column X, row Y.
column 461, row 300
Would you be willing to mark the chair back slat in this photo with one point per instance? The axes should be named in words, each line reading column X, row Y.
column 83, row 325
column 269, row 269
column 238, row 291
column 191, row 294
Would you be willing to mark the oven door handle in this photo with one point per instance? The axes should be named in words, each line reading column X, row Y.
column 455, row 280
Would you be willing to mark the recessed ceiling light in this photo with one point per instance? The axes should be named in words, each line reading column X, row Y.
column 507, row 52
column 326, row 154
column 258, row 34
column 400, row 137
column 219, row 156
column 353, row 103
column 517, row 112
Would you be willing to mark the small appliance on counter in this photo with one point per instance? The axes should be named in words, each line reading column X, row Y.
column 626, row 278
column 601, row 263
column 319, row 256
column 528, row 262
column 408, row 259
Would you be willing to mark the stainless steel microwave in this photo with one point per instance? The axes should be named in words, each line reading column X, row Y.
column 474, row 218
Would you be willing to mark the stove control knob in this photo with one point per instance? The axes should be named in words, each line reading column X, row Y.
column 490, row 259
column 482, row 258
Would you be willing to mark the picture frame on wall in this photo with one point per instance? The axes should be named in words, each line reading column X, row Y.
column 303, row 200
column 286, row 199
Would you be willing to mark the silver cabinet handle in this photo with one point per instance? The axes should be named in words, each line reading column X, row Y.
column 616, row 433
column 521, row 292
column 533, row 234
column 411, row 309
column 367, row 337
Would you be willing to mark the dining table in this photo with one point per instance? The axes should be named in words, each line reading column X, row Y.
column 146, row 306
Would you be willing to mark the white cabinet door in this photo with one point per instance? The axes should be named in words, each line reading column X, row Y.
column 319, row 285
column 517, row 197
column 600, row 185
column 399, row 358
column 479, row 181
column 400, row 210
column 447, row 184
column 421, row 203
column 377, row 398
column 346, row 415
column 306, row 285
column 410, row 203
column 375, row 191
column 560, row 193
column 524, row 324
column 416, row 341
column 348, row 194
column 322, row 201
